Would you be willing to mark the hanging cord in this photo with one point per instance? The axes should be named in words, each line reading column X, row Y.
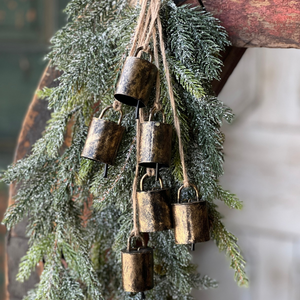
column 143, row 28
column 172, row 99
column 139, row 27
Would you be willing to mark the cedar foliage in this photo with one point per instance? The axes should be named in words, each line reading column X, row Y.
column 57, row 184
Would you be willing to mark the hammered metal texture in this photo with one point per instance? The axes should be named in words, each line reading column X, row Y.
column 136, row 81
column 155, row 144
column 154, row 210
column 137, row 270
column 191, row 222
column 103, row 141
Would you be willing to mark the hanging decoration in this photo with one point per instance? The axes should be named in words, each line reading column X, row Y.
column 103, row 140
column 161, row 60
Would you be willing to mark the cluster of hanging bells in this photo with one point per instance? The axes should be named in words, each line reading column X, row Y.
column 155, row 211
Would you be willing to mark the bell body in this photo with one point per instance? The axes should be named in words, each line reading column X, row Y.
column 154, row 210
column 136, row 81
column 155, row 144
column 191, row 223
column 137, row 269
column 103, row 141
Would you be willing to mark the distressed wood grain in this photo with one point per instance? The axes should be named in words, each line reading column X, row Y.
column 257, row 23
column 16, row 242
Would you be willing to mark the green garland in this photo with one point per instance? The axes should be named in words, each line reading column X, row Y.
column 56, row 184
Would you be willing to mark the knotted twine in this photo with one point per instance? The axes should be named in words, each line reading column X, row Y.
column 144, row 31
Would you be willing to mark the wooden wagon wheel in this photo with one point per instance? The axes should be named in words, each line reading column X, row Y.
column 250, row 23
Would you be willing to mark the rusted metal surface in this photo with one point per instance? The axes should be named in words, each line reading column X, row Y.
column 103, row 140
column 137, row 268
column 191, row 224
column 136, row 81
column 154, row 211
column 257, row 23
column 155, row 144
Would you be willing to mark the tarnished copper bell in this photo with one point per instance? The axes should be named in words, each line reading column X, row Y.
column 154, row 208
column 155, row 144
column 191, row 222
column 136, row 81
column 137, row 267
column 103, row 140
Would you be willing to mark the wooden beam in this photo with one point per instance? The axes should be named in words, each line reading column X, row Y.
column 257, row 23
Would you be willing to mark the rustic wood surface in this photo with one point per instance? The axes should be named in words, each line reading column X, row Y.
column 16, row 244
column 257, row 23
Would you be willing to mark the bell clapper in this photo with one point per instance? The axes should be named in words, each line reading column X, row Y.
column 193, row 247
column 105, row 170
column 143, row 295
column 157, row 172
column 137, row 110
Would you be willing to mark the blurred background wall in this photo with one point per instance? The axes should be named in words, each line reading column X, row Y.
column 262, row 162
column 262, row 166
column 25, row 29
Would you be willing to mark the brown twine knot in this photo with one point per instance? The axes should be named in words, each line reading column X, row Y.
column 186, row 183
column 150, row 172
column 117, row 105
column 157, row 106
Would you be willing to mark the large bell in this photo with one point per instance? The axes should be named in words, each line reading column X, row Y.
column 190, row 219
column 154, row 210
column 137, row 267
column 155, row 148
column 103, row 140
column 136, row 81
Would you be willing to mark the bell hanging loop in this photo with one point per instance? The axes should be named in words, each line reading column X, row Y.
column 109, row 107
column 191, row 223
column 103, row 140
column 154, row 209
column 137, row 267
column 136, row 81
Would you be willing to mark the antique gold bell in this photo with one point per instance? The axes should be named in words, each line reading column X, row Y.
column 137, row 267
column 154, row 208
column 190, row 220
column 103, row 140
column 136, row 81
column 155, row 144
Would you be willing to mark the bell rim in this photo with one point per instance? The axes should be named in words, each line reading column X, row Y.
column 130, row 100
column 135, row 251
column 152, row 165
column 189, row 203
column 98, row 161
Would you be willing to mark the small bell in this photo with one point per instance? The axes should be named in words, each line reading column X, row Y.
column 103, row 140
column 190, row 221
column 154, row 208
column 155, row 144
column 136, row 81
column 137, row 267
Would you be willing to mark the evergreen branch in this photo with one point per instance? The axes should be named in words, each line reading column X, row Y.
column 227, row 242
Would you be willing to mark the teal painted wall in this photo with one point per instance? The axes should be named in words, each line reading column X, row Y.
column 25, row 29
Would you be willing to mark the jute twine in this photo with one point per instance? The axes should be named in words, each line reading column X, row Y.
column 148, row 20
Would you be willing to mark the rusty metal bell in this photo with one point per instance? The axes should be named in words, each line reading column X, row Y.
column 154, row 208
column 136, row 81
column 103, row 140
column 191, row 222
column 155, row 148
column 137, row 267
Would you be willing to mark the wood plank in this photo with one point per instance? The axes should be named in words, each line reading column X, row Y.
column 257, row 23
